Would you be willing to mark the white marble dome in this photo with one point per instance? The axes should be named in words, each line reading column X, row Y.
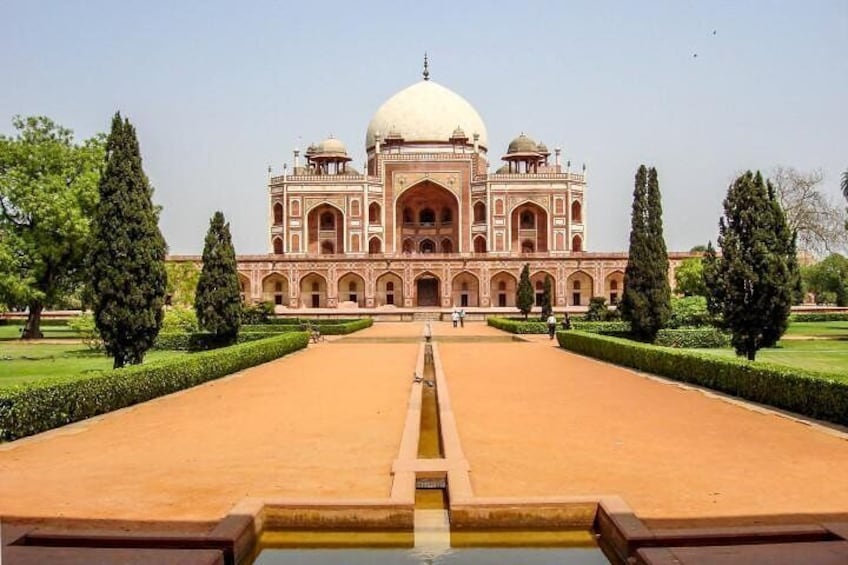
column 426, row 112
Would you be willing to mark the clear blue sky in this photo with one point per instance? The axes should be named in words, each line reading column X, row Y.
column 220, row 90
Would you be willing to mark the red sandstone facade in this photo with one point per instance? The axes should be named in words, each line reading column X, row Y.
column 426, row 225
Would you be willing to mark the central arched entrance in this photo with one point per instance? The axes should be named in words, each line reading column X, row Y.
column 427, row 290
column 427, row 219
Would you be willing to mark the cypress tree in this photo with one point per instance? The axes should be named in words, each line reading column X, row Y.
column 217, row 300
column 715, row 291
column 547, row 297
column 128, row 252
column 646, row 302
column 757, row 272
column 524, row 294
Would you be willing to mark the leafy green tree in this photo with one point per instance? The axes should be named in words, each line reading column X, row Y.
column 128, row 275
column 217, row 302
column 753, row 280
column 182, row 282
column 598, row 310
column 547, row 297
column 689, row 277
column 828, row 279
column 646, row 303
column 48, row 191
column 524, row 296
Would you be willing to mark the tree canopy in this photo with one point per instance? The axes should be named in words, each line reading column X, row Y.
column 646, row 303
column 689, row 277
column 217, row 300
column 754, row 279
column 128, row 275
column 828, row 279
column 48, row 191
column 524, row 296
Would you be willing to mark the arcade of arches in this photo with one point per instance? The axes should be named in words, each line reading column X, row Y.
column 425, row 288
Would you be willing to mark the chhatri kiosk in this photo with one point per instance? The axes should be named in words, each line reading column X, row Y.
column 426, row 225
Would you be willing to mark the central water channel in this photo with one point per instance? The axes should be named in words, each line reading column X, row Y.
column 434, row 543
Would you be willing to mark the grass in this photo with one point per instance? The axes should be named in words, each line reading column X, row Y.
column 11, row 332
column 28, row 362
column 832, row 330
column 826, row 351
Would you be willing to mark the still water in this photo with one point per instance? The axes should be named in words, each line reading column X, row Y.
column 459, row 556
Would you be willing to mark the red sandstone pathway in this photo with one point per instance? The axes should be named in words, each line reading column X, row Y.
column 533, row 420
column 536, row 420
column 296, row 427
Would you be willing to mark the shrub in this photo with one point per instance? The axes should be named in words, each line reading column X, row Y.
column 819, row 317
column 598, row 310
column 604, row 328
column 180, row 320
column 50, row 403
column 518, row 326
column 703, row 338
column 689, row 311
column 256, row 313
column 86, row 328
column 818, row 395
column 200, row 341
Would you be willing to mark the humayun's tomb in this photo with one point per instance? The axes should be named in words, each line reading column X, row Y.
column 426, row 225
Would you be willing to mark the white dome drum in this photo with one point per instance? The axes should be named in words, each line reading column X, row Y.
column 426, row 112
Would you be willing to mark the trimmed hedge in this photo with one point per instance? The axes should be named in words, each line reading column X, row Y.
column 604, row 328
column 703, row 338
column 50, row 403
column 315, row 322
column 817, row 395
column 518, row 326
column 819, row 317
column 201, row 341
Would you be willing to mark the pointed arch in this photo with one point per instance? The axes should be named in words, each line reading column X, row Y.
column 479, row 212
column 390, row 289
column 244, row 287
column 529, row 222
column 579, row 286
column 480, row 244
column 537, row 279
column 577, row 243
column 278, row 213
column 427, row 289
column 375, row 246
column 278, row 245
column 325, row 223
column 374, row 213
column 313, row 291
column 614, row 286
column 502, row 288
column 351, row 290
column 576, row 212
column 465, row 290
column 275, row 289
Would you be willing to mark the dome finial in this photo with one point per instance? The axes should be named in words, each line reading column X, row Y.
column 426, row 72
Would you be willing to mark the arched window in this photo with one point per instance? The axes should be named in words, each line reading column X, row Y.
column 479, row 244
column 527, row 246
column 374, row 245
column 575, row 285
column 328, row 221
column 354, row 208
column 390, row 286
column 576, row 243
column 278, row 245
column 479, row 212
column 427, row 246
column 407, row 216
column 374, row 213
column 327, row 248
column 278, row 214
column 447, row 216
column 576, row 212
column 447, row 246
column 528, row 220
column 427, row 217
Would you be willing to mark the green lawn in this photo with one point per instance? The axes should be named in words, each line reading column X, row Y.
column 27, row 362
column 831, row 330
column 828, row 356
column 52, row 332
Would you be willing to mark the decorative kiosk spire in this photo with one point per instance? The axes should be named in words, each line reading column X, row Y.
column 426, row 72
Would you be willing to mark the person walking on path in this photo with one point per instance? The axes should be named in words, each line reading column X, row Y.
column 551, row 325
column 454, row 317
column 462, row 318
